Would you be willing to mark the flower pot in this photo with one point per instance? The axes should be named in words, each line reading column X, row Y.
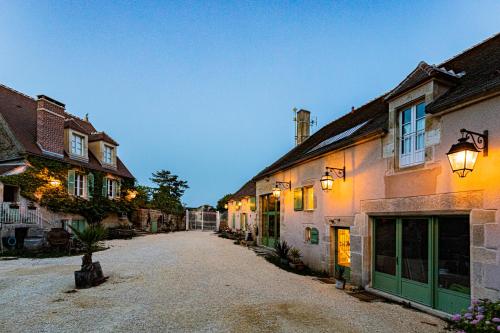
column 300, row 266
column 284, row 261
column 90, row 278
column 339, row 284
column 292, row 265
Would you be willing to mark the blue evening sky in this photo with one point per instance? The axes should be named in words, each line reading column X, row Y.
column 206, row 88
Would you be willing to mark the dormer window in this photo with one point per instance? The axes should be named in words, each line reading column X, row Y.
column 412, row 135
column 108, row 154
column 77, row 144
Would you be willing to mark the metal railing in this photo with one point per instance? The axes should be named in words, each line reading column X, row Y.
column 15, row 213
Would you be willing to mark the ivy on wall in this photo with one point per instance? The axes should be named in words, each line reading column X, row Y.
column 45, row 181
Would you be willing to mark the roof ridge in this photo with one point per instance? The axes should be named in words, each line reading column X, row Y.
column 16, row 91
column 469, row 49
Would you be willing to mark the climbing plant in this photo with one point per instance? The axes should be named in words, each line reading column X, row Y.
column 45, row 181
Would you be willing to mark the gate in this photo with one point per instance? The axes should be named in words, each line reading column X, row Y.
column 200, row 220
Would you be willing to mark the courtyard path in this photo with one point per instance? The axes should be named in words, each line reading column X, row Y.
column 186, row 282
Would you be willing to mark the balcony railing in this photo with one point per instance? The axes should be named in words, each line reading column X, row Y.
column 16, row 213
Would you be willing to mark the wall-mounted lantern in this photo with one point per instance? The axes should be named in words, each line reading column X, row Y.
column 327, row 180
column 280, row 186
column 463, row 155
column 225, row 206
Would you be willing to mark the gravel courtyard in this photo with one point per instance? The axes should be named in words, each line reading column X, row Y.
column 186, row 282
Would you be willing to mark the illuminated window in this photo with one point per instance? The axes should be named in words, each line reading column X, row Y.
column 308, row 198
column 307, row 234
column 77, row 143
column 343, row 247
column 412, row 135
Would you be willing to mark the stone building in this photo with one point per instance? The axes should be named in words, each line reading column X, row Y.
column 378, row 191
column 40, row 129
column 241, row 209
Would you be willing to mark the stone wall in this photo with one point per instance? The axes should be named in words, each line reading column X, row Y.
column 142, row 219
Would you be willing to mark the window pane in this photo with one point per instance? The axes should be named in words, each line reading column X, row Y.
column 453, row 254
column 420, row 141
column 406, row 129
column 420, row 110
column 308, row 198
column 343, row 248
column 415, row 250
column 420, row 124
column 406, row 116
column 385, row 246
column 271, row 226
column 406, row 146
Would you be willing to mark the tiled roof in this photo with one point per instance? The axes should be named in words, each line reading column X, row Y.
column 373, row 117
column 97, row 136
column 19, row 111
column 247, row 190
column 422, row 73
column 481, row 65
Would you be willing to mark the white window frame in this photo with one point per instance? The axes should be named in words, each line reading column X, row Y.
column 80, row 185
column 414, row 155
column 74, row 151
column 111, row 183
column 105, row 151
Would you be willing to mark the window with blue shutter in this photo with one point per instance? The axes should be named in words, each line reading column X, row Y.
column 90, row 185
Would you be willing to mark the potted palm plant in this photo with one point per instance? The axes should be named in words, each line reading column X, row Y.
column 339, row 277
column 90, row 273
column 282, row 249
column 295, row 261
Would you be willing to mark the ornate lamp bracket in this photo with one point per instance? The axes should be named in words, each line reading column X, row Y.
column 284, row 185
column 339, row 172
column 479, row 140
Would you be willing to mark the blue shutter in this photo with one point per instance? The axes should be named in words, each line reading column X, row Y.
column 314, row 236
column 90, row 185
column 71, row 182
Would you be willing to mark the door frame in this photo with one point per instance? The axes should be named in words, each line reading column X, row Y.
column 436, row 293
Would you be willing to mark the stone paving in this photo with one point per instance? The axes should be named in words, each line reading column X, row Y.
column 187, row 282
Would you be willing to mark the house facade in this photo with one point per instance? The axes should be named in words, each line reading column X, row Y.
column 374, row 191
column 62, row 154
column 241, row 209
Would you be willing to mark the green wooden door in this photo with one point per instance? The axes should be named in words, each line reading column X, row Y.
column 424, row 260
column 270, row 220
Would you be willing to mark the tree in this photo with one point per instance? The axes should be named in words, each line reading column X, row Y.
column 222, row 202
column 167, row 196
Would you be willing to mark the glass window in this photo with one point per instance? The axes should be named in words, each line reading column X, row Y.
column 77, row 142
column 111, row 187
column 343, row 247
column 385, row 246
column 307, row 234
column 412, row 135
column 79, row 185
column 416, row 250
column 453, row 254
column 298, row 200
column 108, row 154
column 308, row 198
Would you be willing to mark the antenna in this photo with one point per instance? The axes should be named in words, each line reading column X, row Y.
column 294, row 110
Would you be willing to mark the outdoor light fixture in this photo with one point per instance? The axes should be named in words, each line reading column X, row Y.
column 463, row 155
column 279, row 186
column 54, row 182
column 327, row 180
column 225, row 206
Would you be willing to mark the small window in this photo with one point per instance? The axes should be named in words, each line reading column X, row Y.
column 412, row 135
column 308, row 198
column 307, row 235
column 253, row 205
column 311, row 235
column 108, row 154
column 79, row 185
column 298, row 202
column 111, row 187
column 77, row 143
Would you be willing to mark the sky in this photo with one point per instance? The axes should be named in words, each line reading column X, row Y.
column 206, row 89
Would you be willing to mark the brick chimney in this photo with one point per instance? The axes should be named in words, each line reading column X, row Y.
column 303, row 126
column 50, row 126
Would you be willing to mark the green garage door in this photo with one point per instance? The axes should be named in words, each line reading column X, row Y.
column 424, row 260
